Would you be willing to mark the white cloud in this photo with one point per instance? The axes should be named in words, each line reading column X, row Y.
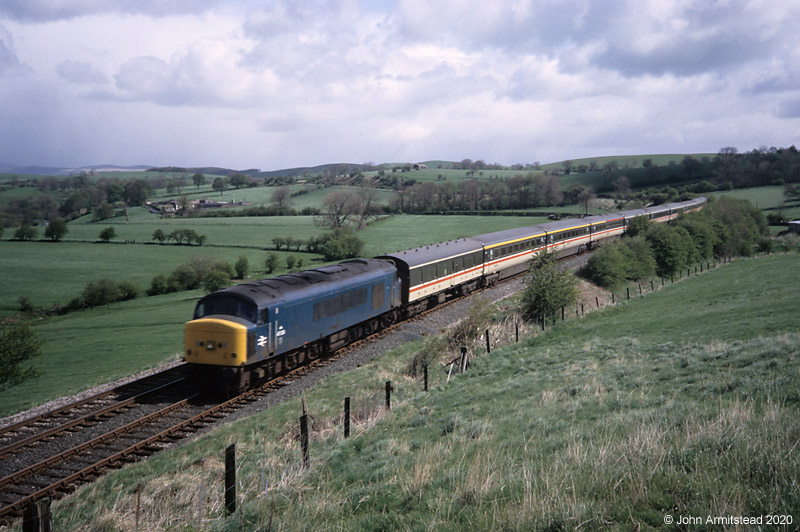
column 282, row 83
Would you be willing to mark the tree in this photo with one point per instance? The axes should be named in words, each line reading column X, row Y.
column 282, row 198
column 338, row 207
column 102, row 292
column 18, row 346
column 198, row 179
column 670, row 249
column 104, row 211
column 25, row 232
column 271, row 262
column 607, row 267
column 159, row 235
column 136, row 192
column 242, row 267
column 219, row 185
column 107, row 234
column 56, row 229
column 238, row 180
column 547, row 288
column 291, row 261
column 215, row 280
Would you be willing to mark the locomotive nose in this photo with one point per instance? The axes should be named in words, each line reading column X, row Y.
column 214, row 341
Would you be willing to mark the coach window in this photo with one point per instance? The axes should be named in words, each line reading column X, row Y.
column 416, row 277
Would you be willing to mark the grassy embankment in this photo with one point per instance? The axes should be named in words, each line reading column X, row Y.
column 86, row 348
column 683, row 402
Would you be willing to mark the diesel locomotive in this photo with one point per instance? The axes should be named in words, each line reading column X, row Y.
column 249, row 333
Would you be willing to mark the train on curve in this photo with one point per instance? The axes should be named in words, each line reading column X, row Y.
column 249, row 333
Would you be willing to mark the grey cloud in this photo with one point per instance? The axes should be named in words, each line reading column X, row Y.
column 80, row 72
column 50, row 10
column 8, row 58
column 789, row 108
column 684, row 57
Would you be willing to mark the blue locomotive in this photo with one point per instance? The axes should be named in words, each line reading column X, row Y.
column 251, row 332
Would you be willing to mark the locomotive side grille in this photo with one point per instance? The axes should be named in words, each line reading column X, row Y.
column 251, row 345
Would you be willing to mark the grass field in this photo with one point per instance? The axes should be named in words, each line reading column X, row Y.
column 681, row 403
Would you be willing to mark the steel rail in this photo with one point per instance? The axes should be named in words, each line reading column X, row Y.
column 84, row 419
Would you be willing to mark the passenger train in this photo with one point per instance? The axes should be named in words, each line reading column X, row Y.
column 254, row 331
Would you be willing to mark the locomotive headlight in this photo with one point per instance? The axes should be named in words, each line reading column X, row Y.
column 210, row 346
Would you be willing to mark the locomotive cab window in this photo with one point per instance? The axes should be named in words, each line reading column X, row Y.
column 228, row 306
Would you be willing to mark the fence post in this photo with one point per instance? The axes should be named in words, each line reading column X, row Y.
column 597, row 301
column 200, row 498
column 488, row 347
column 30, row 518
column 652, row 286
column 516, row 326
column 347, row 416
column 562, row 312
column 138, row 503
column 45, row 519
column 640, row 290
column 304, row 438
column 230, row 478
column 613, row 302
column 425, row 376
column 583, row 313
column 389, row 395
column 629, row 292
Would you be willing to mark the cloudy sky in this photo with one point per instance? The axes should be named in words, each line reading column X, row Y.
column 274, row 84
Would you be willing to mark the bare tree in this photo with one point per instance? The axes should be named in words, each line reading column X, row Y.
column 282, row 198
column 338, row 207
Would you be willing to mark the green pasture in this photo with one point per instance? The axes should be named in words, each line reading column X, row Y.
column 92, row 347
column 662, row 406
column 762, row 197
column 51, row 273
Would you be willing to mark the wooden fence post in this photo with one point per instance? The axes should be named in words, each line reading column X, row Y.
column 304, row 438
column 30, row 518
column 230, row 478
column 45, row 519
column 346, row 417
column 425, row 376
column 389, row 395
column 488, row 347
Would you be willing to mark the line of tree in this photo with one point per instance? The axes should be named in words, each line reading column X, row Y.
column 179, row 236
column 723, row 228
column 199, row 272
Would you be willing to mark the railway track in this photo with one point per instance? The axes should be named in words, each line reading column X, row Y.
column 51, row 454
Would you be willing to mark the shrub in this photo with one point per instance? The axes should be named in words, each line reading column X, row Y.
column 56, row 229
column 341, row 244
column 107, row 234
column 101, row 292
column 25, row 232
column 159, row 285
column 639, row 259
column 608, row 267
column 271, row 262
column 18, row 345
column 547, row 288
column 242, row 267
column 215, row 280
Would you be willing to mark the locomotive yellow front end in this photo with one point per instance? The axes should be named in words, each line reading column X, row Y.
column 216, row 342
